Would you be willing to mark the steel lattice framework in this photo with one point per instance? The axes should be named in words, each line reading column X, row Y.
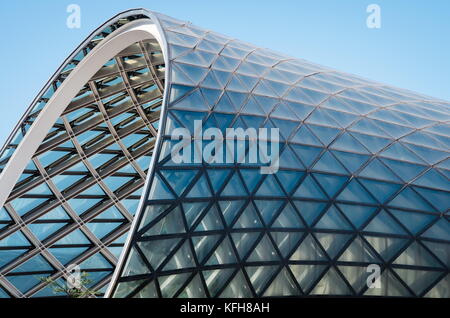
column 364, row 175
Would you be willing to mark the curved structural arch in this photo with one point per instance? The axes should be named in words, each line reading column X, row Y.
column 361, row 181
column 108, row 96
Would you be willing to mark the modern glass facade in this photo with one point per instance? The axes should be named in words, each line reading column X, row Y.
column 363, row 178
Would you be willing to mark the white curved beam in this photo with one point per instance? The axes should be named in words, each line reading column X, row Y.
column 113, row 44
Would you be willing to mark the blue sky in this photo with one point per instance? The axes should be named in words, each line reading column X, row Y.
column 411, row 50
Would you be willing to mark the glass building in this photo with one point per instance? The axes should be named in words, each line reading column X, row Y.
column 89, row 179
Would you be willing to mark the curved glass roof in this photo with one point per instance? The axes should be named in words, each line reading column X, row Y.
column 363, row 179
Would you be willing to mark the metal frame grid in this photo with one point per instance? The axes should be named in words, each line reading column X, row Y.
column 75, row 201
column 364, row 180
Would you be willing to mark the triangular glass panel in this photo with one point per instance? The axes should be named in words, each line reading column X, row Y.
column 67, row 254
column 204, row 244
column 266, row 103
column 382, row 191
column 268, row 209
column 439, row 230
column 309, row 189
column 333, row 243
column 234, row 187
column 194, row 289
column 307, row 154
column 307, row 275
column 235, row 85
column 135, row 265
column 409, row 199
column 177, row 91
column 405, row 170
column 357, row 214
column 286, row 241
column 354, row 192
column 223, row 254
column 418, row 280
column 188, row 118
column 217, row 178
column 386, row 247
column 230, row 209
column 74, row 238
column 377, row 170
column 159, row 190
column 384, row 223
column 325, row 134
column 101, row 229
column 282, row 286
column 269, row 187
column 439, row 199
column 244, row 241
column 332, row 219
column 399, row 152
column 331, row 284
column 169, row 224
column 193, row 101
column 417, row 255
column 433, row 179
column 264, row 252
column 346, row 142
column 211, row 221
column 211, row 96
column 44, row 230
column 286, row 127
column 302, row 110
column 200, row 189
column 183, row 258
column 331, row 184
column 216, row 279
column 414, row 222
column 283, row 111
column 289, row 179
column 252, row 107
column 251, row 178
column 62, row 182
column 211, row 81
column 440, row 290
column 237, row 288
column 178, row 179
column 372, row 143
column 41, row 189
column 193, row 210
column 306, row 137
column 237, row 99
column 358, row 252
column 440, row 250
column 288, row 219
column 248, row 219
column 351, row 161
column 260, row 275
column 169, row 285
column 309, row 210
column 309, row 250
column 156, row 251
column 327, row 163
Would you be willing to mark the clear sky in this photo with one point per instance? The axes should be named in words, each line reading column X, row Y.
column 411, row 49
